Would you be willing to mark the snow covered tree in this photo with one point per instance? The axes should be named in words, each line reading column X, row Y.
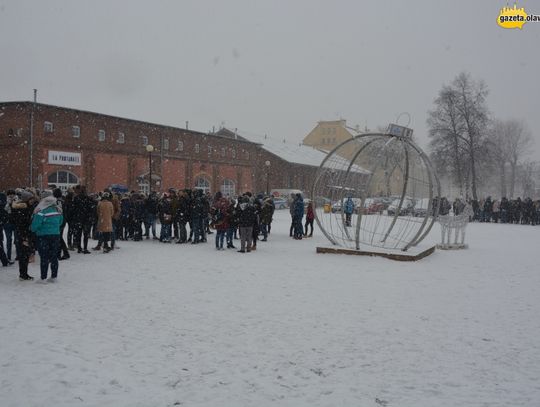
column 458, row 128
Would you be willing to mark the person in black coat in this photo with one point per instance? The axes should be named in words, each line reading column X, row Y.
column 21, row 218
column 83, row 218
column 63, row 253
column 4, row 220
column 183, row 215
column 246, row 220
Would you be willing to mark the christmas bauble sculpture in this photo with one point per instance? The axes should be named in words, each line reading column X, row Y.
column 376, row 190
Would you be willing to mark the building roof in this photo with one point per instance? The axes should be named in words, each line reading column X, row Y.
column 291, row 152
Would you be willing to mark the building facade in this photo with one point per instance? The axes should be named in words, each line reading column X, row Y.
column 41, row 145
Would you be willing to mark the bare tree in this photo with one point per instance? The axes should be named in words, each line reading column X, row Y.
column 498, row 152
column 518, row 143
column 458, row 129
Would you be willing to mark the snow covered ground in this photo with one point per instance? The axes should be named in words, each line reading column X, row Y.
column 164, row 325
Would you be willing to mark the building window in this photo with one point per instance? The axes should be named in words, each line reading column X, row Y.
column 228, row 188
column 48, row 127
column 247, row 155
column 144, row 141
column 209, row 151
column 166, row 144
column 62, row 180
column 19, row 132
column 223, row 152
column 76, row 131
column 101, row 135
column 233, row 153
column 121, row 138
column 202, row 183
column 197, row 148
column 180, row 145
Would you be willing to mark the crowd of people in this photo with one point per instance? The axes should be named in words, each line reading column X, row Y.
column 56, row 224
column 504, row 210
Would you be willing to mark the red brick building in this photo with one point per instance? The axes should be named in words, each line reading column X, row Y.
column 43, row 144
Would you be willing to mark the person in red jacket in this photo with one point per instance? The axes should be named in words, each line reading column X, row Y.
column 310, row 216
column 220, row 218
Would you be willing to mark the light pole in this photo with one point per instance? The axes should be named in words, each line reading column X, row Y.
column 267, row 164
column 150, row 148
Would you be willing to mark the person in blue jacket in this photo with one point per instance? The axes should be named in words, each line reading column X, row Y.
column 298, row 214
column 349, row 209
column 46, row 223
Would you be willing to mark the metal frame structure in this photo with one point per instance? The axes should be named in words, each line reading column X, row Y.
column 371, row 155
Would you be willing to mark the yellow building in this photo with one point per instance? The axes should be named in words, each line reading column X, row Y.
column 386, row 180
column 328, row 134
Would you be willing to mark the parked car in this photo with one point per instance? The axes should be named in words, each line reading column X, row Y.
column 280, row 203
column 373, row 205
column 406, row 208
column 421, row 207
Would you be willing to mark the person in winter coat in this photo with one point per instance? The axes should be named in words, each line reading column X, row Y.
column 348, row 210
column 46, row 223
column 198, row 215
column 220, row 218
column 310, row 216
column 83, row 218
column 105, row 214
column 183, row 216
column 246, row 219
column 21, row 218
column 4, row 218
column 151, row 210
column 232, row 214
column 298, row 215
column 8, row 227
column 165, row 212
column 267, row 211
column 63, row 253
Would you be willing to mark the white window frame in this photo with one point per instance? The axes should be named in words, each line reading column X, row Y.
column 206, row 184
column 166, row 144
column 209, row 150
column 233, row 152
column 228, row 187
column 48, row 127
column 144, row 141
column 121, row 138
column 197, row 148
column 76, row 131
column 223, row 152
column 102, row 135
column 180, row 145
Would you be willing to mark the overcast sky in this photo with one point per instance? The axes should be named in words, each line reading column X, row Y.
column 274, row 67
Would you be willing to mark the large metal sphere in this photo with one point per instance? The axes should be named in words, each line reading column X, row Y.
column 391, row 185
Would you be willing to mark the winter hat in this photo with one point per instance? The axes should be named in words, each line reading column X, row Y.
column 26, row 195
column 46, row 193
column 106, row 195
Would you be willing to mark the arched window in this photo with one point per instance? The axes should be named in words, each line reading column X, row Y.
column 62, row 180
column 202, row 183
column 228, row 188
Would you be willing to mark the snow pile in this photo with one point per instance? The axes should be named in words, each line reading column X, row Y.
column 163, row 325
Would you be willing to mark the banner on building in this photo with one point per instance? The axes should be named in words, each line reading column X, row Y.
column 64, row 158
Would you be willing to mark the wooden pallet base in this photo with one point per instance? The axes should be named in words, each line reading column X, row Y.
column 392, row 256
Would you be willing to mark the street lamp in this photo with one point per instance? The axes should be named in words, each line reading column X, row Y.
column 267, row 164
column 150, row 148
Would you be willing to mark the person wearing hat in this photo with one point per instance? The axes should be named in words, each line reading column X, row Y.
column 46, row 223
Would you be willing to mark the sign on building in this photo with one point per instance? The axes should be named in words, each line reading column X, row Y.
column 64, row 158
